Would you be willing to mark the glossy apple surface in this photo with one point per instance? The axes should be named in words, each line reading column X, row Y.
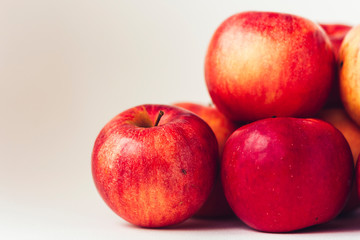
column 216, row 206
column 155, row 175
column 285, row 174
column 349, row 73
column 339, row 119
column 263, row 64
column 336, row 33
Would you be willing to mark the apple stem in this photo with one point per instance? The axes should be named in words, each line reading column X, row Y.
column 161, row 113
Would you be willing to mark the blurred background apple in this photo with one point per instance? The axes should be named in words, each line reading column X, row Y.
column 336, row 33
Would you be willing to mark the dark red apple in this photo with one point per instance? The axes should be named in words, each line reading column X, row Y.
column 216, row 206
column 336, row 33
column 285, row 174
column 155, row 171
column 263, row 64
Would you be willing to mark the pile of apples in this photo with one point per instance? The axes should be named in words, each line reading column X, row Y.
column 278, row 148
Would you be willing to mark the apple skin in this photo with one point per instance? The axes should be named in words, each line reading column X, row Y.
column 336, row 33
column 339, row 119
column 216, row 205
column 155, row 176
column 264, row 64
column 349, row 74
column 285, row 174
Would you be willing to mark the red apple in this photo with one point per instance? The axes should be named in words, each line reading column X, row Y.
column 285, row 174
column 216, row 206
column 336, row 33
column 349, row 73
column 339, row 119
column 155, row 173
column 263, row 64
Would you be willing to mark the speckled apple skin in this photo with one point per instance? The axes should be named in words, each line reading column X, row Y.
column 155, row 176
column 263, row 64
column 349, row 73
column 285, row 174
column 216, row 205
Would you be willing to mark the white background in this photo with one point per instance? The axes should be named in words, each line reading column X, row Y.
column 67, row 67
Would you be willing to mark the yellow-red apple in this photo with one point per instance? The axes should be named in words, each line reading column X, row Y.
column 155, row 171
column 263, row 64
column 349, row 73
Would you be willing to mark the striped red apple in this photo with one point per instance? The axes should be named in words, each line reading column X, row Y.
column 263, row 64
column 155, row 165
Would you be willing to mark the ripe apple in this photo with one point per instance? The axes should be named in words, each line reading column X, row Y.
column 336, row 33
column 263, row 64
column 216, row 206
column 339, row 119
column 349, row 73
column 155, row 165
column 285, row 174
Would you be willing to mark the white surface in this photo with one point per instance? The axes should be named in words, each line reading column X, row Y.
column 67, row 67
